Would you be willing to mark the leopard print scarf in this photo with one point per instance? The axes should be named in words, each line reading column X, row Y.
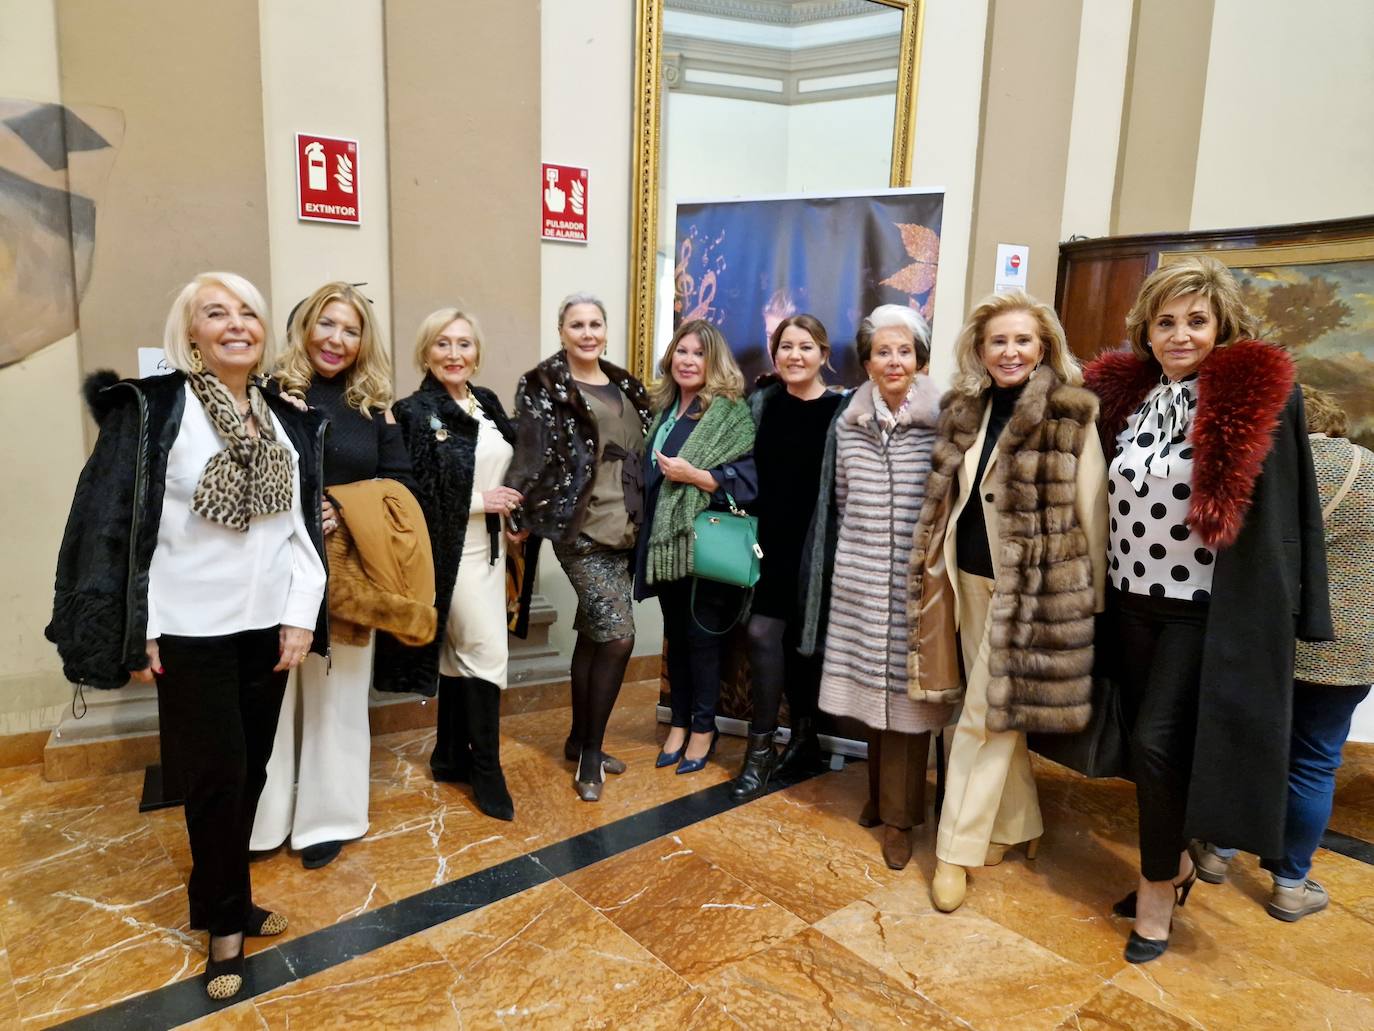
column 252, row 475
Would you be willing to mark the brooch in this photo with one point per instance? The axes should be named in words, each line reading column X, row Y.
column 440, row 431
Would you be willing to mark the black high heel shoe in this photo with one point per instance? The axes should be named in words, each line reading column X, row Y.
column 1140, row 949
column 223, row 977
column 1126, row 906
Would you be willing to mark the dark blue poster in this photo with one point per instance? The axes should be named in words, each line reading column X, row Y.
column 745, row 265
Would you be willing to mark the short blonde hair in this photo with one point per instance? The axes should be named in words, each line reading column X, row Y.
column 971, row 376
column 176, row 335
column 723, row 377
column 434, row 324
column 1324, row 413
column 1196, row 275
column 368, row 378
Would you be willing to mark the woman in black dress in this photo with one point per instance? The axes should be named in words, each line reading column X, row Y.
column 793, row 411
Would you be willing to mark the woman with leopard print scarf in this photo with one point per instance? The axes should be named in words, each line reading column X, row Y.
column 193, row 558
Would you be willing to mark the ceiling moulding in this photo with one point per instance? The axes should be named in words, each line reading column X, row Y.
column 776, row 12
column 792, row 68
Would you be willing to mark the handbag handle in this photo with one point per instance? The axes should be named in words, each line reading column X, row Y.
column 743, row 611
column 1344, row 489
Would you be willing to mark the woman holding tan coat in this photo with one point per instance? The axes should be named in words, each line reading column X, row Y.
column 1025, row 568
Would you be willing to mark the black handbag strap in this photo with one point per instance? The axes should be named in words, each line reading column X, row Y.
column 743, row 611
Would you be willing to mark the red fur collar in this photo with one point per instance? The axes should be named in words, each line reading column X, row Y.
column 1241, row 392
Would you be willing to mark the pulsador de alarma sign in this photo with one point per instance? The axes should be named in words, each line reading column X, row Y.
column 563, row 194
column 327, row 179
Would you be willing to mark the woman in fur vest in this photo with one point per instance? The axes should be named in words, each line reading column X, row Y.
column 700, row 455
column 882, row 443
column 338, row 361
column 193, row 557
column 460, row 443
column 581, row 423
column 1217, row 565
column 1014, row 525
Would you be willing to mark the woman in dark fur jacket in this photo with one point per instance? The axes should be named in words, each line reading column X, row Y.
column 338, row 361
column 193, row 556
column 460, row 443
column 1014, row 527
column 1217, row 565
column 581, row 423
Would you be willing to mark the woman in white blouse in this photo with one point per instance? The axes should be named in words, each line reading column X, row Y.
column 192, row 558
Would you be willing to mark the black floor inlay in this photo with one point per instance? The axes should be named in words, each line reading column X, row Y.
column 311, row 953
column 1355, row 848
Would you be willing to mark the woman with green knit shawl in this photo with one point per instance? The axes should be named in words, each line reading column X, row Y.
column 700, row 455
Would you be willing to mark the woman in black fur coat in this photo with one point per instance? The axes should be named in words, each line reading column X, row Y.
column 193, row 556
column 577, row 462
column 460, row 443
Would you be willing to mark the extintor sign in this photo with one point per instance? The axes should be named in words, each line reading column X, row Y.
column 563, row 192
column 327, row 179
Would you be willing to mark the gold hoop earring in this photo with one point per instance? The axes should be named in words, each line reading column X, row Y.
column 197, row 362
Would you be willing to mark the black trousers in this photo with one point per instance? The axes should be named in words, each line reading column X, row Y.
column 219, row 701
column 1161, row 670
column 776, row 667
column 694, row 656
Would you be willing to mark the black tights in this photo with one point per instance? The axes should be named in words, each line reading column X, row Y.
column 598, row 668
column 776, row 667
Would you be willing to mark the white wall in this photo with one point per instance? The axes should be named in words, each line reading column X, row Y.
column 840, row 145
column 1287, row 128
column 43, row 452
column 948, row 103
column 323, row 71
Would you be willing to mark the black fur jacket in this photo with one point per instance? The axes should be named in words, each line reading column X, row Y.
column 557, row 448
column 100, row 603
column 442, row 440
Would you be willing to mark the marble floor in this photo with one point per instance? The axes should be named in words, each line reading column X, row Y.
column 775, row 914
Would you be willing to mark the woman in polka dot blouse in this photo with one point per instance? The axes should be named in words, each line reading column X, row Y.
column 1215, row 562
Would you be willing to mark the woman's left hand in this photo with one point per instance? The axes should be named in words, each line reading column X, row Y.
column 295, row 646
column 679, row 470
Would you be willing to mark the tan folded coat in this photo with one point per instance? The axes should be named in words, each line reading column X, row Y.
column 381, row 568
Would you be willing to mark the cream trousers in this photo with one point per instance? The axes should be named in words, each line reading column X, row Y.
column 989, row 790
column 323, row 797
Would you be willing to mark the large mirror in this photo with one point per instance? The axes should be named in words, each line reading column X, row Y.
column 760, row 98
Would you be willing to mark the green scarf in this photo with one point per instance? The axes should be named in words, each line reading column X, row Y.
column 724, row 433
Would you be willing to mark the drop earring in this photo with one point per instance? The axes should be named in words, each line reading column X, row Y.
column 197, row 362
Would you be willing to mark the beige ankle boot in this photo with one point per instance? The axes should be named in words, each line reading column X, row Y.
column 948, row 886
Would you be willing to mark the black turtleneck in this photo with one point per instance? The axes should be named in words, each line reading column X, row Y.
column 356, row 447
column 974, row 553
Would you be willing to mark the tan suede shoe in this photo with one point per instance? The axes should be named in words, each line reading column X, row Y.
column 948, row 886
column 1211, row 867
column 1292, row 904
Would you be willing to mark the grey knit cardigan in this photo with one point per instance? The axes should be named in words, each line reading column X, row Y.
column 1347, row 661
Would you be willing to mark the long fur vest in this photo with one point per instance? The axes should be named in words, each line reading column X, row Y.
column 557, row 447
column 1043, row 600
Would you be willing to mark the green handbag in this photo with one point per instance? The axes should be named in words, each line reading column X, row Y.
column 726, row 549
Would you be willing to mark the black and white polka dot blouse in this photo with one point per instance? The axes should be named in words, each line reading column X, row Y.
column 1152, row 548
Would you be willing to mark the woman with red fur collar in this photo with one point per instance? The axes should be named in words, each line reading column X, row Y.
column 1216, row 563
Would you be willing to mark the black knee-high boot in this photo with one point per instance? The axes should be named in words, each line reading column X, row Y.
column 451, row 759
column 483, row 703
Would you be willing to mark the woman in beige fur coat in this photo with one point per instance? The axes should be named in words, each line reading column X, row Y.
column 1014, row 527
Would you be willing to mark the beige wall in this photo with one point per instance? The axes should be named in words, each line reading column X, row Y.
column 323, row 72
column 463, row 129
column 948, row 104
column 1166, row 78
column 188, row 189
column 1027, row 115
column 1287, row 127
column 42, row 453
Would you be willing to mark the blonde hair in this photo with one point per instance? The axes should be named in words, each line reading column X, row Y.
column 1196, row 275
column 1324, row 413
column 368, row 383
column 723, row 378
column 971, row 376
column 176, row 335
column 434, row 324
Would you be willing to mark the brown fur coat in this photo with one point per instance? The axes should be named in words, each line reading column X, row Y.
column 1044, row 598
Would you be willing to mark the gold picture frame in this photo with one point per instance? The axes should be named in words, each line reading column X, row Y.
column 647, row 122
